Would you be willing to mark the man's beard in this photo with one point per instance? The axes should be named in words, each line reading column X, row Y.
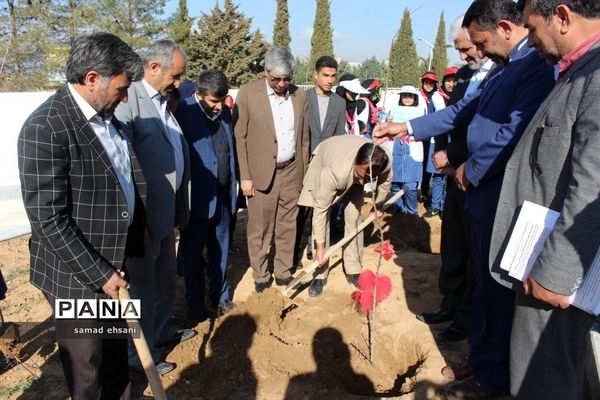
column 99, row 104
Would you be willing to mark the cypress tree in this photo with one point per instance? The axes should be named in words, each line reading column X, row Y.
column 281, row 30
column 322, row 38
column 224, row 41
column 404, row 63
column 180, row 26
column 439, row 61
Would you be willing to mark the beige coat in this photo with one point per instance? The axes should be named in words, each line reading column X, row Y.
column 330, row 175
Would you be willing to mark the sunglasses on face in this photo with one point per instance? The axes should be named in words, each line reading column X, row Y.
column 278, row 79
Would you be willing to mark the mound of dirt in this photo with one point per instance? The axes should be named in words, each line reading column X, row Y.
column 271, row 346
column 286, row 342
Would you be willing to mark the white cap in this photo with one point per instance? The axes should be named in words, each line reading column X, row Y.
column 354, row 86
column 409, row 89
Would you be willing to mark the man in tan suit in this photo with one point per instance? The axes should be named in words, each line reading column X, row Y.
column 337, row 174
column 272, row 143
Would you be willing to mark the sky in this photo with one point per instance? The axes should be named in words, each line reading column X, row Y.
column 362, row 28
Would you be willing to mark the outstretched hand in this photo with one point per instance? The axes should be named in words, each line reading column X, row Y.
column 389, row 131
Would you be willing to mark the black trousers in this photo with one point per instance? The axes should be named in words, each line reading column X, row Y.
column 456, row 279
column 95, row 369
column 304, row 218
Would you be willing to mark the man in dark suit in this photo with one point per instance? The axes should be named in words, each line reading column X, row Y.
column 271, row 134
column 555, row 165
column 83, row 191
column 326, row 116
column 208, row 130
column 455, row 280
column 497, row 115
column 163, row 154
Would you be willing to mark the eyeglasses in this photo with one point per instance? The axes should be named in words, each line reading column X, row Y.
column 278, row 79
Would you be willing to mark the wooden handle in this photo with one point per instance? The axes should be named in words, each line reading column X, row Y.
column 295, row 283
column 143, row 351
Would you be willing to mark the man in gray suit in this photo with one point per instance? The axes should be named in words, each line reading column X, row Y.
column 555, row 165
column 326, row 118
column 163, row 154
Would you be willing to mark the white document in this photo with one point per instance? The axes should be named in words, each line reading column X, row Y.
column 587, row 297
column 533, row 226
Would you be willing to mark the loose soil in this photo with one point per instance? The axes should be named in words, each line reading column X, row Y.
column 270, row 346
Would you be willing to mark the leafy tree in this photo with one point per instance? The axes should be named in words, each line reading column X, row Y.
column 180, row 26
column 72, row 18
column 370, row 68
column 223, row 40
column 303, row 73
column 134, row 21
column 25, row 29
column 344, row 68
column 404, row 63
column 439, row 61
column 322, row 38
column 281, row 31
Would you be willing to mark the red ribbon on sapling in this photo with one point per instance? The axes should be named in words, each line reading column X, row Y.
column 385, row 249
column 367, row 281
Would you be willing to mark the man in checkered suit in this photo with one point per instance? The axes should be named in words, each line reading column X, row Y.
column 84, row 194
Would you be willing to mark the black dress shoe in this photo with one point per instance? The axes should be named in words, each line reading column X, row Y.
column 435, row 317
column 284, row 281
column 458, row 372
column 297, row 265
column 163, row 368
column 309, row 254
column 352, row 279
column 261, row 286
column 316, row 287
column 471, row 389
column 225, row 306
column 452, row 334
column 180, row 336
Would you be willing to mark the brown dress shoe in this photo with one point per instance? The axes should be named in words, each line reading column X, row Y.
column 459, row 372
column 470, row 389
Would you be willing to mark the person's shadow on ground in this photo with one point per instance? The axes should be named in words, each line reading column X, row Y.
column 227, row 372
column 334, row 375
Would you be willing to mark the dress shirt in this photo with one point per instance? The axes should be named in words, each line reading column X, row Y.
column 323, row 102
column 478, row 77
column 575, row 54
column 282, row 110
column 173, row 131
column 115, row 146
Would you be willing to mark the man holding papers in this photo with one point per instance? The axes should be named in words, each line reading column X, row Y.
column 555, row 166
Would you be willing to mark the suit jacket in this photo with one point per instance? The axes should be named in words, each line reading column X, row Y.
column 335, row 119
column 78, row 213
column 144, row 127
column 456, row 148
column 203, row 159
column 496, row 115
column 256, row 141
column 555, row 165
column 330, row 175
